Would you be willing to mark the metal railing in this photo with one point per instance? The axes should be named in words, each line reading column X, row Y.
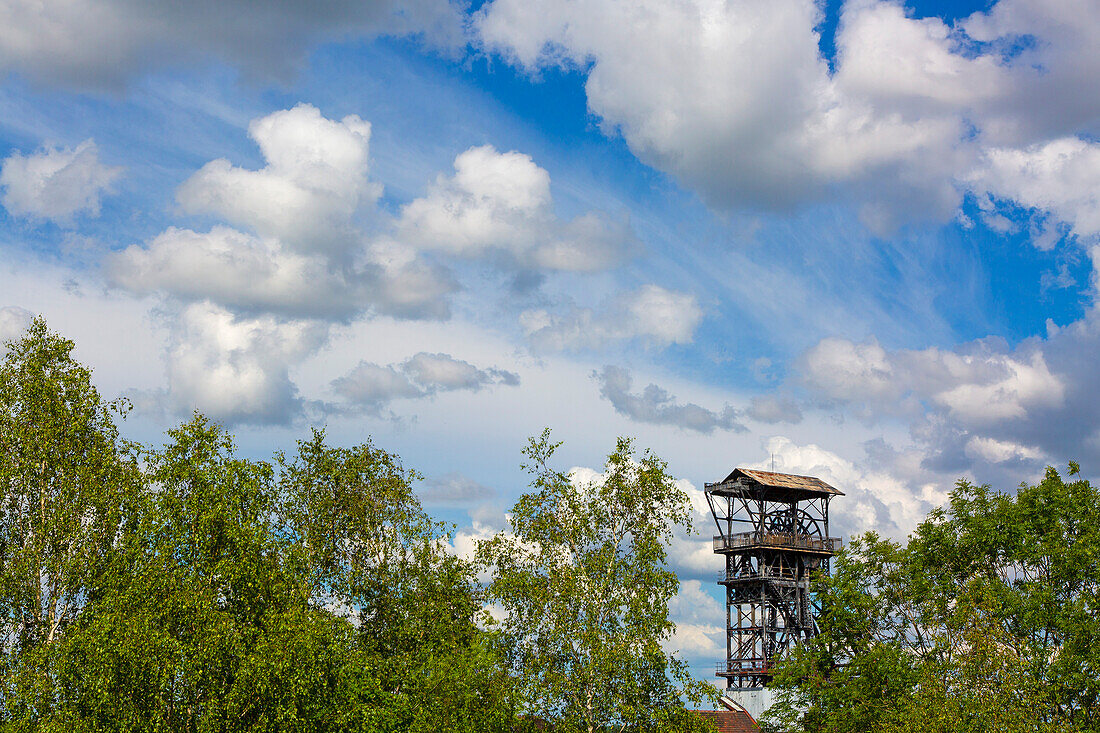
column 758, row 666
column 777, row 539
column 764, row 575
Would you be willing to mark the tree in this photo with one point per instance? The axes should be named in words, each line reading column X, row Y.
column 66, row 478
column 584, row 587
column 985, row 619
column 189, row 589
column 249, row 596
column 200, row 623
column 373, row 553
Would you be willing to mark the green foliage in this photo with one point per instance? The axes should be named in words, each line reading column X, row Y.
column 200, row 624
column 986, row 619
column 66, row 478
column 189, row 589
column 372, row 554
column 583, row 582
column 186, row 588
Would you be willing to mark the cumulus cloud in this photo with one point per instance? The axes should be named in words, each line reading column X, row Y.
column 237, row 270
column 979, row 406
column 371, row 387
column 736, row 100
column 655, row 405
column 652, row 314
column 300, row 253
column 698, row 617
column 992, row 450
column 236, row 369
column 56, row 183
column 978, row 387
column 13, row 322
column 247, row 273
column 314, row 182
column 1060, row 177
column 1046, row 50
column 499, row 205
column 102, row 42
column 888, row 501
column 303, row 246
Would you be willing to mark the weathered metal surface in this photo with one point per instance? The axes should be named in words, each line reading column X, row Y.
column 770, row 479
column 769, row 605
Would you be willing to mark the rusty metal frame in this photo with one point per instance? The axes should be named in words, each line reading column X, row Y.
column 782, row 540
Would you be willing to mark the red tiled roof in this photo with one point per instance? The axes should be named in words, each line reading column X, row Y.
column 730, row 721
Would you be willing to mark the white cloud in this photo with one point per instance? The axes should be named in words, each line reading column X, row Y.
column 314, row 182
column 237, row 270
column 102, row 42
column 977, row 387
column 874, row 499
column 979, row 408
column 444, row 372
column 1000, row 451
column 499, row 205
column 655, row 405
column 651, row 313
column 1048, row 50
column 466, row 540
column 252, row 304
column 13, row 322
column 1061, row 177
column 888, row 55
column 236, row 369
column 1021, row 385
column 373, row 385
column 697, row 616
column 247, row 273
column 735, row 99
column 56, row 183
column 403, row 285
column 370, row 387
column 843, row 370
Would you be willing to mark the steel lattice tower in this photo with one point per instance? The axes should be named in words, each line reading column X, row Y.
column 773, row 529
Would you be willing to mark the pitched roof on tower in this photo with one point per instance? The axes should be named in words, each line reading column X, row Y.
column 741, row 479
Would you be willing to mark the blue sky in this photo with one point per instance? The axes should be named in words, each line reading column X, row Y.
column 859, row 236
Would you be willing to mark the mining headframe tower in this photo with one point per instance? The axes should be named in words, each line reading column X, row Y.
column 773, row 530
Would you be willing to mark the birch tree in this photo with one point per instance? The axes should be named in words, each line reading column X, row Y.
column 583, row 582
column 65, row 475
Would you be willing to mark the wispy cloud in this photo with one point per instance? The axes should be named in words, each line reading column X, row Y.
column 655, row 405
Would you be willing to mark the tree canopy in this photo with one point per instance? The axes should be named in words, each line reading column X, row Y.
column 184, row 587
column 584, row 586
column 986, row 618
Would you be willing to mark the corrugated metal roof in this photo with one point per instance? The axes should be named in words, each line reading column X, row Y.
column 785, row 481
